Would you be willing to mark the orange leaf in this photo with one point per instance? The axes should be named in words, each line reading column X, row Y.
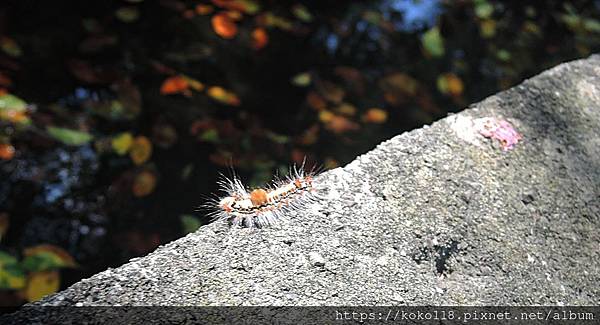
column 375, row 115
column 399, row 83
column 224, row 159
column 224, row 26
column 14, row 116
column 339, row 124
column 349, row 73
column 5, row 80
column 229, row 4
column 315, row 101
column 188, row 14
column 141, row 150
column 450, row 84
column 298, row 156
column 331, row 91
column 174, row 85
column 234, row 15
column 310, row 136
column 201, row 125
column 260, row 38
column 455, row 85
column 144, row 183
column 203, row 9
column 4, row 223
column 7, row 151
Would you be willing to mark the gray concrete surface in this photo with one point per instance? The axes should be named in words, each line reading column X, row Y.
column 439, row 215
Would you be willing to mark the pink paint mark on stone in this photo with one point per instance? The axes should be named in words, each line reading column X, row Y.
column 500, row 130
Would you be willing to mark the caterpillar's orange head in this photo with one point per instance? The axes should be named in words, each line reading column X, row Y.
column 258, row 197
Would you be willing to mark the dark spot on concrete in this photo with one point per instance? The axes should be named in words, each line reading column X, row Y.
column 440, row 254
column 527, row 198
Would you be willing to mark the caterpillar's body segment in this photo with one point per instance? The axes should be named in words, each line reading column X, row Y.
column 264, row 206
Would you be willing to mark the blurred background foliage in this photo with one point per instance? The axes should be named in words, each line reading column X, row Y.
column 116, row 116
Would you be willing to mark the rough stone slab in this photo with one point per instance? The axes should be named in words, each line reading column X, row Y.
column 439, row 215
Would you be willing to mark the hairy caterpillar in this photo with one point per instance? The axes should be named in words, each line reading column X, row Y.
column 264, row 206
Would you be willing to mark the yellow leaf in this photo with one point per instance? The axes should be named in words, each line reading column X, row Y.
column 487, row 28
column 222, row 95
column 40, row 284
column 122, row 142
column 16, row 282
column 450, row 84
column 331, row 163
column 141, row 150
column 346, row 109
column 325, row 116
column 144, row 183
column 194, row 84
column 399, row 83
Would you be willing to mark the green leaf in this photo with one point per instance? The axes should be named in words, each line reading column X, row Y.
column 503, row 55
column 591, row 25
column 250, row 7
column 302, row 13
column 277, row 138
column 127, row 14
column 10, row 47
column 442, row 84
column 187, row 171
column 189, row 223
column 433, row 42
column 572, row 21
column 43, row 261
column 210, row 135
column 301, row 79
column 372, row 17
column 7, row 259
column 483, row 9
column 68, row 136
column 13, row 103
column 11, row 274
